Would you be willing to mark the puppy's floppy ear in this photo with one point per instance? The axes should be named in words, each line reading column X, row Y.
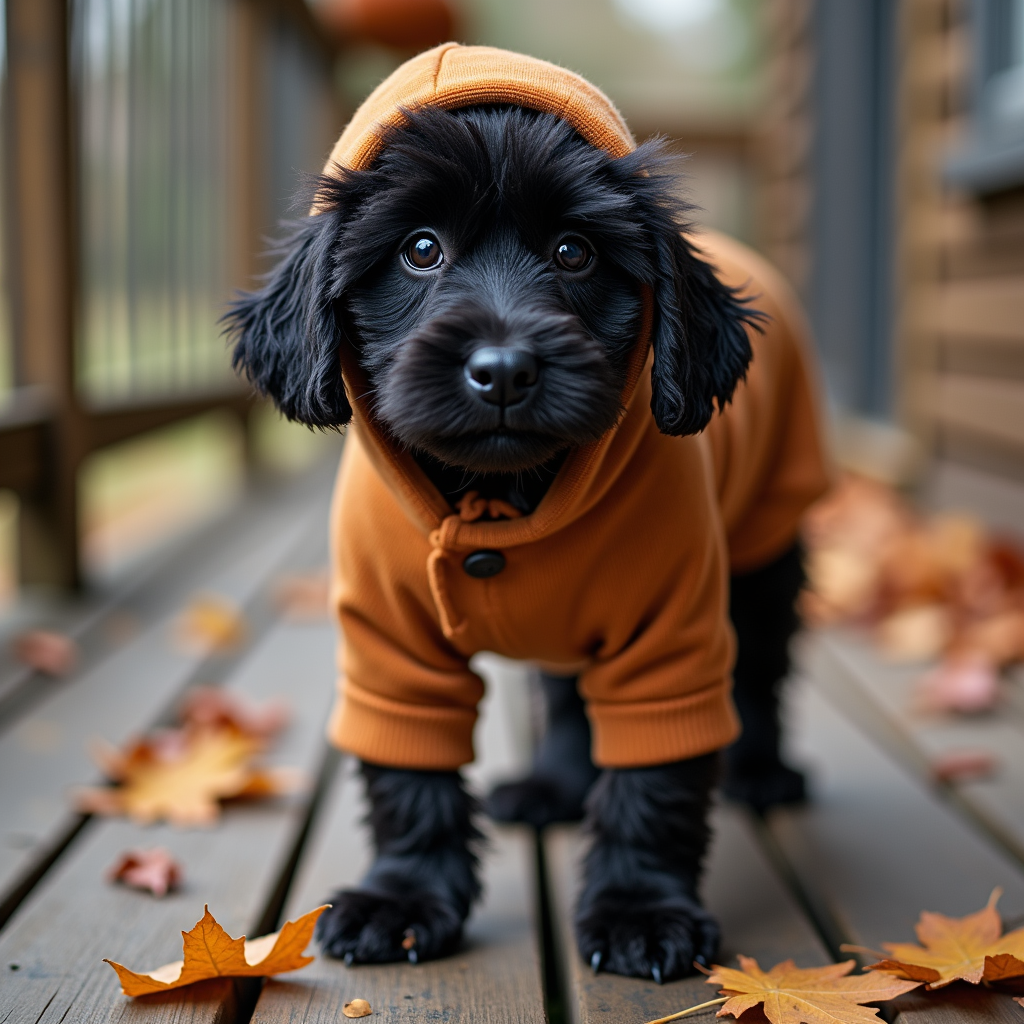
column 701, row 348
column 287, row 334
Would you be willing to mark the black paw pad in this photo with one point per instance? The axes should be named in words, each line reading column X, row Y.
column 378, row 927
column 657, row 940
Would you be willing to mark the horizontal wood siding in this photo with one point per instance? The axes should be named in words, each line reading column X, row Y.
column 961, row 325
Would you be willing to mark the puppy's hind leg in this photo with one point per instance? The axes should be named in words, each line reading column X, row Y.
column 639, row 913
column 562, row 770
column 762, row 606
column 418, row 892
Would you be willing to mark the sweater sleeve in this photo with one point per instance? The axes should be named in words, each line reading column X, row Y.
column 406, row 697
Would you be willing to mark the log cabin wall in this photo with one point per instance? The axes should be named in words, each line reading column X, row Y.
column 962, row 265
column 960, row 330
column 782, row 140
column 945, row 317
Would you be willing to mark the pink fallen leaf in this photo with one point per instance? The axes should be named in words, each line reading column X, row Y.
column 915, row 634
column 154, row 870
column 963, row 766
column 213, row 707
column 303, row 596
column 52, row 653
column 963, row 684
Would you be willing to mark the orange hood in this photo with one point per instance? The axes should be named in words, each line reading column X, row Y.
column 453, row 76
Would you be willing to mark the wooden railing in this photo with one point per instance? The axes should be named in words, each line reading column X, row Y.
column 143, row 153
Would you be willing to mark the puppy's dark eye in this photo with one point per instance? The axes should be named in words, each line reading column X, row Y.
column 424, row 253
column 573, row 254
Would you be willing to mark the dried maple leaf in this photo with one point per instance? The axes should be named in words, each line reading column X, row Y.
column 970, row 948
column 209, row 952
column 181, row 775
column 963, row 766
column 155, row 870
column 804, row 995
column 213, row 707
column 966, row 683
column 210, row 624
column 54, row 654
column 915, row 634
column 303, row 597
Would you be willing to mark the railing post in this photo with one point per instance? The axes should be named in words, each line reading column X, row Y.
column 41, row 262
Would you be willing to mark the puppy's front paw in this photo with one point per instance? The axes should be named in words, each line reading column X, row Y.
column 379, row 927
column 658, row 940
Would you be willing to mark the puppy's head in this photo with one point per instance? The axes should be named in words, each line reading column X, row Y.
column 487, row 270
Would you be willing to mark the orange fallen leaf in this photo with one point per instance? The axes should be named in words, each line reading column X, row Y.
column 804, row 995
column 210, row 624
column 970, row 948
column 915, row 634
column 213, row 707
column 155, row 870
column 209, row 952
column 357, row 1008
column 1003, row 967
column 180, row 775
column 51, row 653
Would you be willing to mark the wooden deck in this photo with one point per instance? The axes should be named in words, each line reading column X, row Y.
column 879, row 843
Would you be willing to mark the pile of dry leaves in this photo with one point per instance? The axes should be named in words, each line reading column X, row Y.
column 928, row 587
column 181, row 774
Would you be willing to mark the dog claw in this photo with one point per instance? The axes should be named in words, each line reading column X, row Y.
column 656, row 972
column 349, row 958
column 595, row 961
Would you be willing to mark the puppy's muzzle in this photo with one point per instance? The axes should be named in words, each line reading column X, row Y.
column 501, row 376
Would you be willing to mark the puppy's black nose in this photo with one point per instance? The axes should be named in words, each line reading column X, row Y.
column 501, row 376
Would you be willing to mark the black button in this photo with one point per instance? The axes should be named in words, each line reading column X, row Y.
column 482, row 564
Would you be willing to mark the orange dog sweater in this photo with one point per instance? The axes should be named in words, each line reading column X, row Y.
column 621, row 573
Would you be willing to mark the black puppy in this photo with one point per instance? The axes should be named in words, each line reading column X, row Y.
column 490, row 255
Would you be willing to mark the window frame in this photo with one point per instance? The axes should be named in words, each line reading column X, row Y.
column 992, row 158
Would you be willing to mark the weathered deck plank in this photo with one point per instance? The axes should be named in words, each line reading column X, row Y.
column 880, row 696
column 875, row 847
column 74, row 917
column 758, row 916
column 46, row 752
column 116, row 611
column 496, row 976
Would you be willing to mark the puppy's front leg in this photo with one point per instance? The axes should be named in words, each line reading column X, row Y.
column 414, row 899
column 639, row 913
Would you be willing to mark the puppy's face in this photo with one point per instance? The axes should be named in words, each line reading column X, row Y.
column 497, row 321
column 487, row 272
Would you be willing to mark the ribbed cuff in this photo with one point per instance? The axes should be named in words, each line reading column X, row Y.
column 657, row 732
column 387, row 732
